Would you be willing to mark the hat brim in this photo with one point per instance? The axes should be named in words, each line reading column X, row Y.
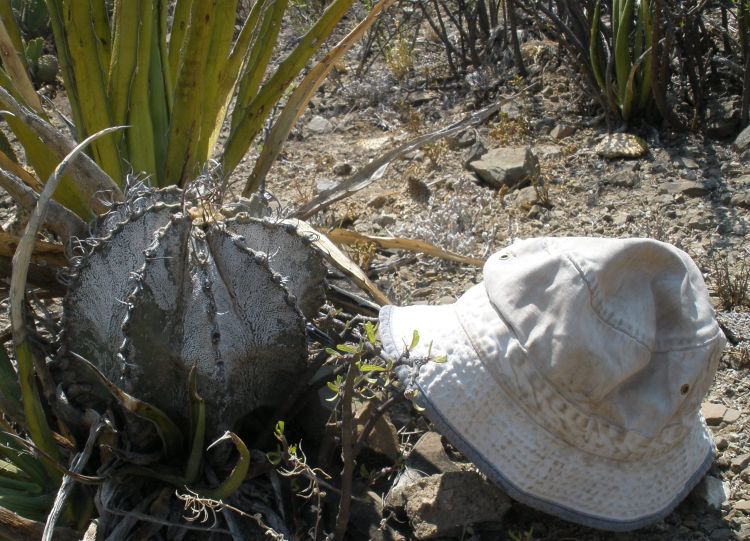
column 466, row 403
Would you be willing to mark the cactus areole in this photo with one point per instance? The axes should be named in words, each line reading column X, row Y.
column 165, row 286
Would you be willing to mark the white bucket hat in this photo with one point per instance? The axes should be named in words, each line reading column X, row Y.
column 574, row 375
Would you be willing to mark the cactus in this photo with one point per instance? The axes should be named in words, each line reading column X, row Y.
column 32, row 17
column 168, row 287
column 46, row 69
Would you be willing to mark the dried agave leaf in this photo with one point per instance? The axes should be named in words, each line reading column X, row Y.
column 289, row 254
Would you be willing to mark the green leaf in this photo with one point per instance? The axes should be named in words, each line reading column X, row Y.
column 348, row 348
column 371, row 332
column 371, row 368
column 198, row 426
column 279, row 429
column 230, row 485
column 414, row 340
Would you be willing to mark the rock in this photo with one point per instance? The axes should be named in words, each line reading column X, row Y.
column 383, row 437
column 625, row 179
column 429, row 455
column 689, row 188
column 548, row 152
column 319, row 125
column 325, row 185
column 686, row 162
column 741, row 199
column 731, row 415
column 526, row 198
column 740, row 462
column 384, row 220
column 473, row 153
column 561, row 131
column 711, row 491
column 506, row 166
column 743, row 505
column 342, row 169
column 511, row 110
column 365, row 520
column 722, row 117
column 744, row 180
column 621, row 145
column 721, row 443
column 742, row 142
column 443, row 505
column 461, row 140
column 378, row 201
column 713, row 413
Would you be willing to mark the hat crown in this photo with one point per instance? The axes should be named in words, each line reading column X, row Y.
column 621, row 328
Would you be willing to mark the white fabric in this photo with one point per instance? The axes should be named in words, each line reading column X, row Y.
column 575, row 373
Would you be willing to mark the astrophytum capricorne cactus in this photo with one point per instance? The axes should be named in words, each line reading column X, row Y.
column 167, row 286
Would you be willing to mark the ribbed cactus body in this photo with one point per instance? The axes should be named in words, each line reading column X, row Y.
column 165, row 289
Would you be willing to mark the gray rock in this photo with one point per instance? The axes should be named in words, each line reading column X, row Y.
column 732, row 415
column 443, row 505
column 686, row 162
column 713, row 413
column 742, row 142
column 625, row 179
column 621, row 145
column 722, row 117
column 325, row 185
column 461, row 140
column 740, row 462
column 474, row 152
column 712, row 491
column 561, row 131
column 689, row 188
column 547, row 152
column 741, row 199
column 319, row 125
column 429, row 455
column 506, row 166
column 385, row 220
column 342, row 169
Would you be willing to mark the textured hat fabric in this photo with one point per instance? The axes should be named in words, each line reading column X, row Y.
column 574, row 375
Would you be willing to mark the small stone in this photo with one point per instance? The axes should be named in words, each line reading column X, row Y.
column 429, row 455
column 625, row 179
column 711, row 491
column 325, row 185
column 342, row 169
column 548, row 152
column 622, row 218
column 561, row 131
column 739, row 462
column 443, row 505
column 686, row 162
column 319, row 125
column 743, row 505
column 383, row 437
column 742, row 142
column 621, row 145
column 721, row 443
column 378, row 201
column 526, row 198
column 385, row 220
column 473, row 153
column 461, row 140
column 689, row 188
column 732, row 415
column 506, row 166
column 713, row 413
column 741, row 199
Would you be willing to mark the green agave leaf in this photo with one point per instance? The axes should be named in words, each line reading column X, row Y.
column 198, row 425
column 230, row 485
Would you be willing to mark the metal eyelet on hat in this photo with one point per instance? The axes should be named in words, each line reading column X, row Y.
column 504, row 256
column 684, row 389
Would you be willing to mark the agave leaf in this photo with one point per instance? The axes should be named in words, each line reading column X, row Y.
column 198, row 428
column 35, row 416
column 55, row 8
column 301, row 96
column 179, row 31
column 254, row 113
column 10, row 392
column 91, row 87
column 622, row 50
column 16, row 68
column 338, row 259
column 182, row 158
column 595, row 47
column 230, row 485
column 345, row 236
column 169, row 433
column 14, row 33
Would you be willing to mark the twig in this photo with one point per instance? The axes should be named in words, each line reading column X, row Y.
column 347, row 423
column 372, row 421
column 80, row 460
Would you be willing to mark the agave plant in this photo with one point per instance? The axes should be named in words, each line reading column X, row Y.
column 179, row 316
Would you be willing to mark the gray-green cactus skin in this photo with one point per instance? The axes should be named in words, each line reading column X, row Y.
column 163, row 287
column 46, row 69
